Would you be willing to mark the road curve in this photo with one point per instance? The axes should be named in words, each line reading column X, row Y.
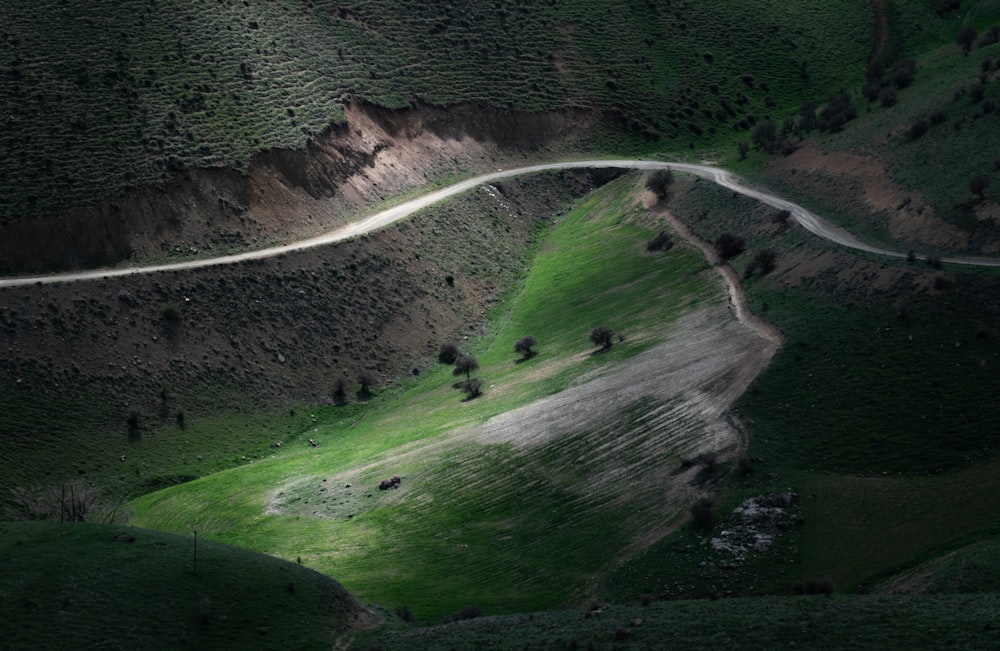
column 808, row 220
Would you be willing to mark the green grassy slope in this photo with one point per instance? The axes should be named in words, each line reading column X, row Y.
column 99, row 96
column 502, row 525
column 78, row 586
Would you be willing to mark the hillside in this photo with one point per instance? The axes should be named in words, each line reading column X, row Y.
column 244, row 109
column 843, row 440
column 96, row 586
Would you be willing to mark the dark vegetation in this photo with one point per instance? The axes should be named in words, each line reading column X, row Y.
column 131, row 588
column 602, row 336
column 145, row 92
column 525, row 346
column 162, row 93
column 84, row 376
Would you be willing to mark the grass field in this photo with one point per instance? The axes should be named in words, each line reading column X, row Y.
column 76, row 586
column 497, row 523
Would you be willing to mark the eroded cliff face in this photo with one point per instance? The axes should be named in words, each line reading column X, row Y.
column 286, row 194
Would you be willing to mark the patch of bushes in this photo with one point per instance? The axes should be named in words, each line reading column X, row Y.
column 729, row 246
column 661, row 242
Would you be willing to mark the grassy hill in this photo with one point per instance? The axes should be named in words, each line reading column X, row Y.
column 569, row 480
column 76, row 586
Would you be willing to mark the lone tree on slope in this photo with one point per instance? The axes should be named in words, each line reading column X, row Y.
column 473, row 387
column 729, row 246
column 524, row 346
column 978, row 185
column 659, row 183
column 367, row 379
column 966, row 38
column 602, row 336
column 448, row 352
column 465, row 365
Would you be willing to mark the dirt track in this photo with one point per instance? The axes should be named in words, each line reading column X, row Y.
column 808, row 220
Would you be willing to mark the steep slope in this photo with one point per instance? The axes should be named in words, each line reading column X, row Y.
column 102, row 101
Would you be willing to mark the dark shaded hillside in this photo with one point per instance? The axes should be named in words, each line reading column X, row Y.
column 82, row 586
column 98, row 97
column 79, row 358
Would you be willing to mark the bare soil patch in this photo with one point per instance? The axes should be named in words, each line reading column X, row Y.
column 860, row 185
column 287, row 194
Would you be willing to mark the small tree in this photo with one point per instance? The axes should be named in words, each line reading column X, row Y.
column 472, row 387
column 729, row 246
column 134, row 433
column 524, row 346
column 661, row 242
column 465, row 365
column 448, row 352
column 888, row 97
column 766, row 261
column 366, row 380
column 602, row 336
column 978, row 185
column 340, row 396
column 659, row 183
column 701, row 513
column 966, row 38
column 765, row 136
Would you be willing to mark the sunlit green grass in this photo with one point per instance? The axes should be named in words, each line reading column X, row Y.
column 484, row 524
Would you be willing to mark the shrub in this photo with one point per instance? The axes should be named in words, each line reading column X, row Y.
column 888, row 97
column 978, row 185
column 448, row 352
column 171, row 318
column 729, row 246
column 871, row 90
column 472, row 387
column 966, row 38
column 701, row 513
column 465, row 365
column 524, row 346
column 837, row 112
column 918, row 129
column 602, row 336
column 765, row 261
column 661, row 242
column 405, row 613
column 659, row 183
column 132, row 422
column 340, row 394
column 903, row 73
column 977, row 93
column 765, row 135
column 366, row 380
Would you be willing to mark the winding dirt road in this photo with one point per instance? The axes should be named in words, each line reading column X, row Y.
column 808, row 220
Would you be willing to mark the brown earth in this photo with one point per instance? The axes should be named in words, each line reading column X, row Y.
column 860, row 185
column 274, row 330
column 286, row 194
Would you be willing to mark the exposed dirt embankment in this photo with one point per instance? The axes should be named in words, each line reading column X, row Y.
column 279, row 328
column 285, row 194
